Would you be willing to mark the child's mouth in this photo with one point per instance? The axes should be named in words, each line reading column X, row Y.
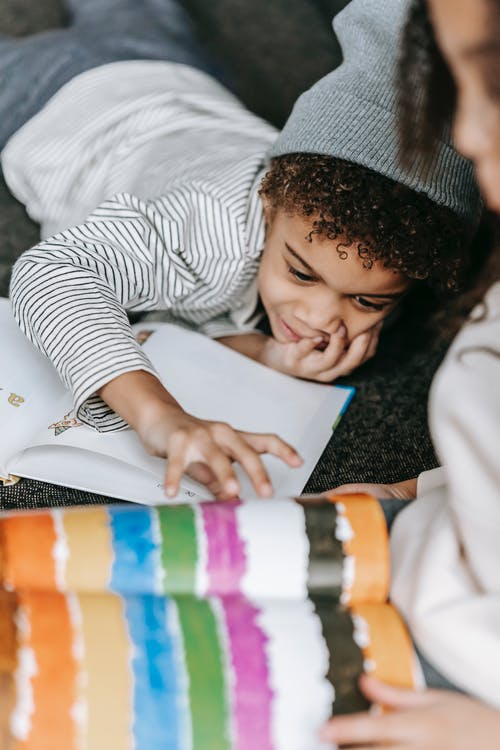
column 292, row 335
column 289, row 332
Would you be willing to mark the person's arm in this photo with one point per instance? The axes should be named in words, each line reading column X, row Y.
column 416, row 720
column 70, row 295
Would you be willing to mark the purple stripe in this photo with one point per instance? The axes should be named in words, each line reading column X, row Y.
column 253, row 697
column 226, row 565
column 226, row 559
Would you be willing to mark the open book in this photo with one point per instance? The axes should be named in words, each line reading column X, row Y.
column 41, row 438
column 208, row 626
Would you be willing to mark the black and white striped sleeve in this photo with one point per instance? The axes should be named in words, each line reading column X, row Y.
column 70, row 295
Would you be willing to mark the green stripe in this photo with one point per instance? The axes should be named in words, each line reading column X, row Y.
column 207, row 688
column 179, row 548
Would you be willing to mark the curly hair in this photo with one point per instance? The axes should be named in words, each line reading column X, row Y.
column 386, row 221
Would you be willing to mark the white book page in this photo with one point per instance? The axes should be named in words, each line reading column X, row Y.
column 211, row 382
column 29, row 389
column 91, row 472
column 214, row 382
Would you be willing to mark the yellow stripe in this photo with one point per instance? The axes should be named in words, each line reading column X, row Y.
column 90, row 560
column 109, row 690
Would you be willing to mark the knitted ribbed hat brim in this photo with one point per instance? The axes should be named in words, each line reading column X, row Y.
column 352, row 113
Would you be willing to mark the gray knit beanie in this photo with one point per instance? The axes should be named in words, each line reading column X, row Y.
column 352, row 112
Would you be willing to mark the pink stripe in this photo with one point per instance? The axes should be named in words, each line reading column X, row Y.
column 226, row 557
column 226, row 564
column 253, row 695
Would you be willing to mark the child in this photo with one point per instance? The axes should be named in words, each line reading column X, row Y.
column 195, row 221
column 444, row 546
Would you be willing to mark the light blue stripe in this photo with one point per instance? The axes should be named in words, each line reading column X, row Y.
column 158, row 699
column 136, row 552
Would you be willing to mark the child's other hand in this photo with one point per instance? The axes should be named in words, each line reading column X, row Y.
column 309, row 360
column 427, row 720
column 406, row 490
column 205, row 450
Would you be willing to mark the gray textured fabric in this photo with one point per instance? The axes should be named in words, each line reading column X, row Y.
column 35, row 67
column 352, row 112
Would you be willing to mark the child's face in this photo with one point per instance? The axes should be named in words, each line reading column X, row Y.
column 467, row 33
column 308, row 290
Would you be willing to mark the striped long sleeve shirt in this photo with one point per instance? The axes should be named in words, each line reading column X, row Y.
column 168, row 163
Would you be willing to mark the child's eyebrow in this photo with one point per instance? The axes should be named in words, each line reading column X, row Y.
column 301, row 260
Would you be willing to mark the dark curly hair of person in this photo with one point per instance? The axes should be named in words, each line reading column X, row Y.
column 386, row 221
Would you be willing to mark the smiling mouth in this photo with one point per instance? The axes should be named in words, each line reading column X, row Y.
column 290, row 334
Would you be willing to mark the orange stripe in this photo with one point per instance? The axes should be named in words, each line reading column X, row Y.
column 8, row 639
column 369, row 546
column 29, row 540
column 8, row 652
column 54, row 684
column 390, row 647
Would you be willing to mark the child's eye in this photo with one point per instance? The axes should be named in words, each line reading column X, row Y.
column 300, row 275
column 368, row 305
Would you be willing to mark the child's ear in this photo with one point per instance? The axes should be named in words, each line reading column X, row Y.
column 269, row 211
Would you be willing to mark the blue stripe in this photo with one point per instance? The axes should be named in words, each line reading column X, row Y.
column 136, row 552
column 348, row 398
column 158, row 697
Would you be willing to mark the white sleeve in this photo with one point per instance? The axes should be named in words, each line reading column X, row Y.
column 431, row 480
column 70, row 294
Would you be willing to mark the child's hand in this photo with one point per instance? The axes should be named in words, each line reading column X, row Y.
column 310, row 360
column 406, row 490
column 205, row 450
column 428, row 720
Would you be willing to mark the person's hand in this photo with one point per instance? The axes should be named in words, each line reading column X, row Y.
column 205, row 450
column 315, row 359
column 406, row 490
column 426, row 720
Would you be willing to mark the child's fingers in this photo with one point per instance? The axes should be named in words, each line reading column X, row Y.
column 304, row 347
column 222, row 468
column 268, row 443
column 375, row 335
column 251, row 462
column 176, row 465
column 353, row 358
column 393, row 697
column 361, row 730
column 204, row 475
column 186, row 449
column 334, row 351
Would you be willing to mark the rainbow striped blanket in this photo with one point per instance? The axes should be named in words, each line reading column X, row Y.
column 217, row 626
